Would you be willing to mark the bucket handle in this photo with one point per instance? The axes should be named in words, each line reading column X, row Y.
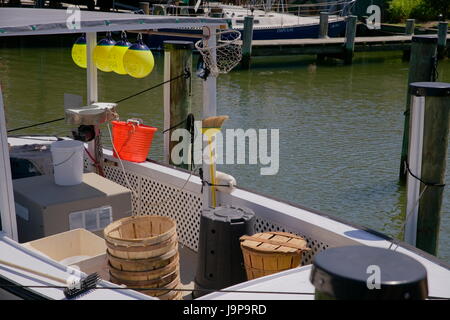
column 64, row 161
column 137, row 121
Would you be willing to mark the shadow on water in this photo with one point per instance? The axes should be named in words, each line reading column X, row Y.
column 283, row 62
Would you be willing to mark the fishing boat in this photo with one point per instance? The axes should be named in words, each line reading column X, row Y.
column 26, row 272
column 271, row 21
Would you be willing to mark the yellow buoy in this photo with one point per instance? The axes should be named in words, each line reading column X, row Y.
column 116, row 54
column 138, row 60
column 101, row 54
column 79, row 52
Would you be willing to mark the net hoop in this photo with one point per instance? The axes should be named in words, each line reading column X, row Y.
column 228, row 52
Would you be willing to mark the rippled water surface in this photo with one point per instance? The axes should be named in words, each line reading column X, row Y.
column 340, row 126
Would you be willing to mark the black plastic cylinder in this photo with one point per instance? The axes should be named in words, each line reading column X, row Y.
column 220, row 260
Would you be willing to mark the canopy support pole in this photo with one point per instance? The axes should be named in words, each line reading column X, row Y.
column 209, row 110
column 94, row 146
column 7, row 207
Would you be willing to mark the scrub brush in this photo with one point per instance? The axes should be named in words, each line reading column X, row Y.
column 84, row 285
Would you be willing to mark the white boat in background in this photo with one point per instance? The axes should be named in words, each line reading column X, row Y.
column 271, row 21
column 153, row 182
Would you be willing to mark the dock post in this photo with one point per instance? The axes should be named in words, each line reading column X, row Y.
column 145, row 6
column 430, row 114
column 421, row 68
column 409, row 28
column 350, row 34
column 323, row 34
column 247, row 42
column 177, row 96
column 442, row 39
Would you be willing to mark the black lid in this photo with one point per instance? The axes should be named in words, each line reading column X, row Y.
column 228, row 214
column 344, row 273
column 430, row 89
column 425, row 39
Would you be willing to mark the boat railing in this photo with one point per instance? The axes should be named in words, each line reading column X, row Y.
column 335, row 9
column 164, row 190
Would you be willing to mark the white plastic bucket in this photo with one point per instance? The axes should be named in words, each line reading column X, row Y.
column 67, row 158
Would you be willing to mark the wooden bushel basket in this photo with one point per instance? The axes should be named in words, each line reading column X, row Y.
column 271, row 252
column 143, row 253
column 141, row 237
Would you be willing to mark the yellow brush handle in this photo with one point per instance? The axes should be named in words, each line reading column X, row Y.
column 212, row 173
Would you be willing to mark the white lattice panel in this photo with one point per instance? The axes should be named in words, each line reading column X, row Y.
column 262, row 225
column 154, row 197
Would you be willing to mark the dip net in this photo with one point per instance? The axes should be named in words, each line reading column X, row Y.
column 228, row 51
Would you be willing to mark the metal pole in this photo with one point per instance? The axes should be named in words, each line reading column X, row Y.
column 421, row 68
column 427, row 159
column 94, row 146
column 209, row 110
column 7, row 207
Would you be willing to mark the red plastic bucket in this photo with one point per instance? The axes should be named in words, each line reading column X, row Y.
column 132, row 140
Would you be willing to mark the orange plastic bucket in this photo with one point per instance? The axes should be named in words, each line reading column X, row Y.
column 132, row 140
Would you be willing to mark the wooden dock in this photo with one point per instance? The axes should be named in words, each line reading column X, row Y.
column 328, row 46
column 340, row 48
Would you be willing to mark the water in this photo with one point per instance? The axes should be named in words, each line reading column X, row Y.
column 340, row 126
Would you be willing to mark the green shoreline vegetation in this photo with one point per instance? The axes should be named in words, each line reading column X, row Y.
column 422, row 10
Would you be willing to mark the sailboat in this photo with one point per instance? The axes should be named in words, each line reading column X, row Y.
column 271, row 20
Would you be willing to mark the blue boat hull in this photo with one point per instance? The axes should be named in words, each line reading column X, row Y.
column 336, row 29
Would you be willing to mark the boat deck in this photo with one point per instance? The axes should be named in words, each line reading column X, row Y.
column 154, row 181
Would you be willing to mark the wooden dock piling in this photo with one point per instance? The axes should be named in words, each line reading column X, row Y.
column 410, row 26
column 442, row 40
column 427, row 162
column 323, row 34
column 421, row 68
column 247, row 42
column 177, row 94
column 409, row 30
column 145, row 6
column 350, row 35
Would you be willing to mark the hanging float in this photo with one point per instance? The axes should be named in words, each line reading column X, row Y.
column 117, row 53
column 79, row 52
column 138, row 60
column 102, row 51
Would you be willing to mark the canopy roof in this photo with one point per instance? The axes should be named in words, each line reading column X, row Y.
column 21, row 22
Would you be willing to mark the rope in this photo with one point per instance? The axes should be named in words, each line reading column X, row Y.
column 429, row 184
column 35, row 125
column 95, row 162
column 408, row 214
column 186, row 74
column 204, row 182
